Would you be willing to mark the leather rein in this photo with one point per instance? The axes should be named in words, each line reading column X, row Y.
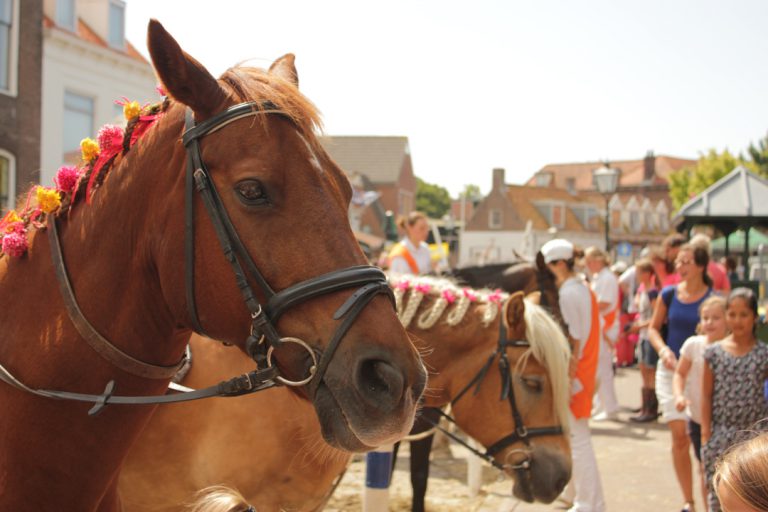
column 263, row 339
column 521, row 432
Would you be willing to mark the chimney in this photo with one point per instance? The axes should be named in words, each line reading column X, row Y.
column 498, row 178
column 649, row 167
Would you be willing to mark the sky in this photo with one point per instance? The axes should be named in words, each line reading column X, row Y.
column 515, row 84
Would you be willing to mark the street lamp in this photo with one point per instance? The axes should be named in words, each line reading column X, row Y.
column 606, row 180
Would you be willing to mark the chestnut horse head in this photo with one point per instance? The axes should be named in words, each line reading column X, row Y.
column 230, row 181
column 504, row 370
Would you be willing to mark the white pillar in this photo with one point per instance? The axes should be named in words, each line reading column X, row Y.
column 378, row 468
column 474, row 469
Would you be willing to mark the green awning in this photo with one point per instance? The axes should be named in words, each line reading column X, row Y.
column 736, row 241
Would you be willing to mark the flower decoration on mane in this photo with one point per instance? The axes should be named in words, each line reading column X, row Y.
column 492, row 308
column 98, row 156
column 66, row 178
column 48, row 199
column 460, row 310
column 406, row 313
column 469, row 294
column 495, row 297
column 89, row 149
column 401, row 287
column 449, row 295
column 423, row 288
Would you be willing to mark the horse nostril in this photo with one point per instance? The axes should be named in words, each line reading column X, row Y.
column 380, row 383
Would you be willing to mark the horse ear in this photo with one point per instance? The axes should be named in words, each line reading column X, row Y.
column 184, row 78
column 540, row 264
column 285, row 68
column 514, row 311
column 534, row 297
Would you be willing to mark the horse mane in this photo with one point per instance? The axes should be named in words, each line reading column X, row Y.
column 446, row 297
column 551, row 349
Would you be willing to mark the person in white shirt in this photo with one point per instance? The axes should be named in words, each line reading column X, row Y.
column 606, row 288
column 579, row 309
column 411, row 255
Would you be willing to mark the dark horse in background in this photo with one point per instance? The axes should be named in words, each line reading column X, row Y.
column 523, row 275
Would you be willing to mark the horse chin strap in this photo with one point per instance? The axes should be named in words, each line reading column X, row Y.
column 264, row 338
column 521, row 432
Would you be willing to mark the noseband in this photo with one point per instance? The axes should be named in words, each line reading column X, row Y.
column 521, row 432
column 264, row 338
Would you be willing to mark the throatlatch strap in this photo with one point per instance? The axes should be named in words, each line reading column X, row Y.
column 96, row 341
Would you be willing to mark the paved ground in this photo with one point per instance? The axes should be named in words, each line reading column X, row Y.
column 634, row 462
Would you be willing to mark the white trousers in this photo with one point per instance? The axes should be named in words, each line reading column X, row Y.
column 605, row 401
column 584, row 490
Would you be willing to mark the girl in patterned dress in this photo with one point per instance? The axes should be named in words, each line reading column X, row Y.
column 733, row 402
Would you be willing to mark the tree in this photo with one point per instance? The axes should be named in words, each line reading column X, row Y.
column 471, row 192
column 689, row 181
column 433, row 200
column 759, row 155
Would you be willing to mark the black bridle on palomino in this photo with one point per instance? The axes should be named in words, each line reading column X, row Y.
column 263, row 338
column 521, row 433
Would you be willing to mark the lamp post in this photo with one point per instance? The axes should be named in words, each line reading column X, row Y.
column 606, row 180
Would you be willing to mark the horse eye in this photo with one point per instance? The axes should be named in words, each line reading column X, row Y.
column 251, row 192
column 534, row 384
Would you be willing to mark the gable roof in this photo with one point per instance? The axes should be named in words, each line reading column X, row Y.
column 740, row 193
column 632, row 172
column 86, row 33
column 379, row 158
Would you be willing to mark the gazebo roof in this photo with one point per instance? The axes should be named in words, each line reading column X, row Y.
column 738, row 199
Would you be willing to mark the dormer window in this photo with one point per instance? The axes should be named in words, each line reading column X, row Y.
column 117, row 24
column 543, row 179
column 570, row 186
column 494, row 219
column 65, row 14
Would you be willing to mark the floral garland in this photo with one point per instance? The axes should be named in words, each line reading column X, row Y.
column 97, row 158
column 430, row 317
column 494, row 300
column 417, row 295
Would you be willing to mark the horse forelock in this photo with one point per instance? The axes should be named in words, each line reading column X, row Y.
column 258, row 85
column 550, row 348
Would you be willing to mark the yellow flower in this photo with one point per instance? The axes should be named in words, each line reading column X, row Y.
column 131, row 109
column 10, row 220
column 48, row 199
column 89, row 149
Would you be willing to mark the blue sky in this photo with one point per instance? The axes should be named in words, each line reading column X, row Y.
column 513, row 84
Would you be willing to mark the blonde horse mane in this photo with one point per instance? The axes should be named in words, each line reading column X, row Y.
column 551, row 349
column 219, row 498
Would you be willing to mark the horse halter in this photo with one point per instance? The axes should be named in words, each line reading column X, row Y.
column 521, row 432
column 264, row 338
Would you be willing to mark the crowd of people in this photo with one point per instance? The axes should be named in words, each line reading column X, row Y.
column 703, row 369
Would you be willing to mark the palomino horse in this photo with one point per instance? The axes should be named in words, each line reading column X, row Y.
column 522, row 276
column 137, row 274
column 281, row 461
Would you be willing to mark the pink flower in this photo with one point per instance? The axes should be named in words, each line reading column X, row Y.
column 495, row 296
column 469, row 294
column 66, row 178
column 422, row 288
column 449, row 296
column 110, row 138
column 15, row 244
column 403, row 285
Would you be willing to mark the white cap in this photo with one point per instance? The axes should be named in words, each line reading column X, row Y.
column 557, row 249
column 619, row 267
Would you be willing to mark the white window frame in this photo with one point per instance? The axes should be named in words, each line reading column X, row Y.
column 495, row 223
column 13, row 54
column 11, row 179
column 120, row 45
column 60, row 22
column 64, row 115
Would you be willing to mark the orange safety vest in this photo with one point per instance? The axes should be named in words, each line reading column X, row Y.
column 586, row 368
column 401, row 251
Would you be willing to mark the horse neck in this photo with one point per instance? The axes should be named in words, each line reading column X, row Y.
column 108, row 258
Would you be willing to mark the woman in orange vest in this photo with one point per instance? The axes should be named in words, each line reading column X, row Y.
column 411, row 254
column 579, row 308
